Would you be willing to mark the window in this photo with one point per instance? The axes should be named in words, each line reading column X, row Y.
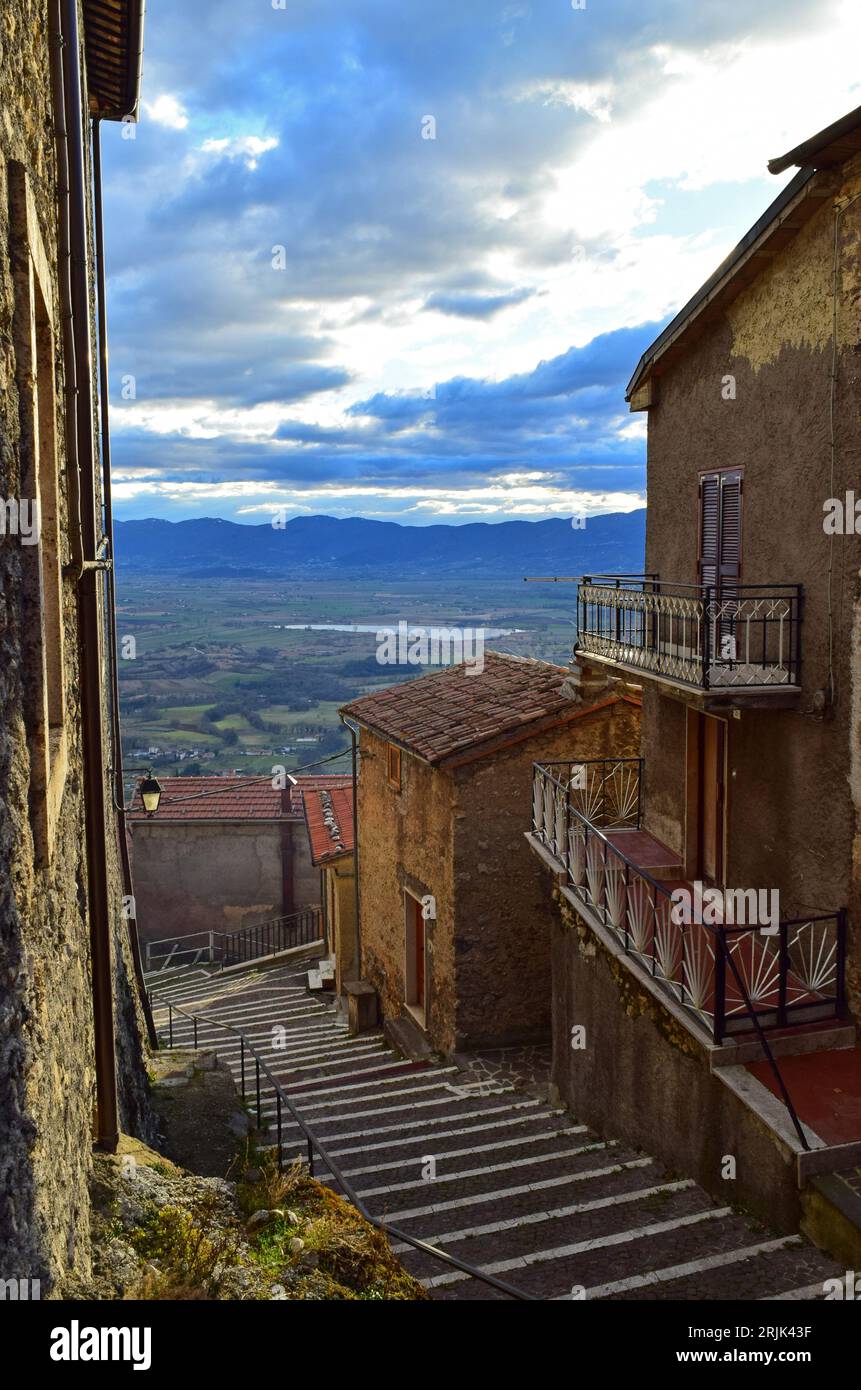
column 393, row 766
column 39, row 502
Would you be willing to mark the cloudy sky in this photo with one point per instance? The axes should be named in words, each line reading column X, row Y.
column 398, row 260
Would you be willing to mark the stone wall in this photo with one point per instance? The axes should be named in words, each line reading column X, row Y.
column 47, row 1078
column 406, row 842
column 458, row 836
column 502, row 922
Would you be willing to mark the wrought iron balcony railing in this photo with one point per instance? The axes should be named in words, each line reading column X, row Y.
column 706, row 636
column 730, row 978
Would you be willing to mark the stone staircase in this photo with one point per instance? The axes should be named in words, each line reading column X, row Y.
column 484, row 1166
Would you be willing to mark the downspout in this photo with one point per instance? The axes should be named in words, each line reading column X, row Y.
column 111, row 586
column 87, row 540
column 357, row 931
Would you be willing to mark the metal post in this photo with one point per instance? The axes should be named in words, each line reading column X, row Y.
column 310, row 1158
column 195, row 1030
column 242, row 1065
column 170, row 1025
column 278, row 1113
column 259, row 1112
column 782, row 972
column 720, row 993
column 841, row 962
column 707, row 589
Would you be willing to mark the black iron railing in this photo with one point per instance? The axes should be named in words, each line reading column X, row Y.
column 304, row 928
column 732, row 979
column 268, row 938
column 708, row 636
column 315, row 1144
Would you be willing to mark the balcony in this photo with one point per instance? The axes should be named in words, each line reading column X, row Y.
column 721, row 641
column 729, row 978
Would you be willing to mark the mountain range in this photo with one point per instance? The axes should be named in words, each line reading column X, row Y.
column 326, row 546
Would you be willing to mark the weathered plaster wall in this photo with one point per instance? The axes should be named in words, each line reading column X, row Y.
column 340, row 887
column 642, row 1078
column 47, row 1079
column 502, row 921
column 791, row 817
column 211, row 876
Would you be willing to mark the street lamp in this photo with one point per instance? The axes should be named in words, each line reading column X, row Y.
column 150, row 790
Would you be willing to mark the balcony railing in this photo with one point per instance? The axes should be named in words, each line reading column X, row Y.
column 706, row 636
column 729, row 978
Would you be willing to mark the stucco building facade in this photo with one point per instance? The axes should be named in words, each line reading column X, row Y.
column 221, row 854
column 745, row 632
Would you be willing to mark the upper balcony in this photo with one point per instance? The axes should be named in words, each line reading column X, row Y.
column 720, row 643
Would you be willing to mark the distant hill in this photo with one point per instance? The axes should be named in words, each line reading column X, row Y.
column 328, row 546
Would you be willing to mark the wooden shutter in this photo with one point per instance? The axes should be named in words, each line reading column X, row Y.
column 720, row 528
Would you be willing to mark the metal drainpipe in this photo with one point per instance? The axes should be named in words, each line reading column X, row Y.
column 104, row 404
column 357, row 936
column 73, row 229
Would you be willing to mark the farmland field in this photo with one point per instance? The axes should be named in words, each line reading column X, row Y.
column 217, row 680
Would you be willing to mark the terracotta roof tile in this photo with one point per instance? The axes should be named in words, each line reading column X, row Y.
column 448, row 712
column 329, row 818
column 226, row 798
column 311, row 781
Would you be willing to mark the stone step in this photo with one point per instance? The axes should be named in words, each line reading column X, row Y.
column 520, row 1189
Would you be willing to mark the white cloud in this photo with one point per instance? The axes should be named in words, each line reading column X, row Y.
column 167, row 111
column 247, row 147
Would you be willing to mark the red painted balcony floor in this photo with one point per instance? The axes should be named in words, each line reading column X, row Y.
column 825, row 1088
column 645, row 851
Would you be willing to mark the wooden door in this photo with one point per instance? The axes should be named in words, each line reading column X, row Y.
column 416, row 949
column 420, row 956
column 712, row 799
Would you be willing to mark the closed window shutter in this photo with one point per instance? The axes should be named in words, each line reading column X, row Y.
column 709, row 528
column 720, row 528
column 730, row 526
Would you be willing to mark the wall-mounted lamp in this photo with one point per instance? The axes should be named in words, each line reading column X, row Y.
column 150, row 790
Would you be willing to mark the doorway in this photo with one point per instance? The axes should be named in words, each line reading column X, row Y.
column 711, row 800
column 416, row 956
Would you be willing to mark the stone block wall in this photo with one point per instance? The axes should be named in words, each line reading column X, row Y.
column 47, row 1077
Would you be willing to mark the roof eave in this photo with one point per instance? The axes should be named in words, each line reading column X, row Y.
column 130, row 61
column 774, row 217
column 827, row 147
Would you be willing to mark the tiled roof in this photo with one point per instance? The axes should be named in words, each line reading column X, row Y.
column 449, row 712
column 329, row 818
column 226, row 798
column 311, row 781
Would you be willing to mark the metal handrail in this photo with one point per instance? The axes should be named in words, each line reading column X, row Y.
column 314, row 1142
column 719, row 937
column 219, row 943
column 268, row 938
